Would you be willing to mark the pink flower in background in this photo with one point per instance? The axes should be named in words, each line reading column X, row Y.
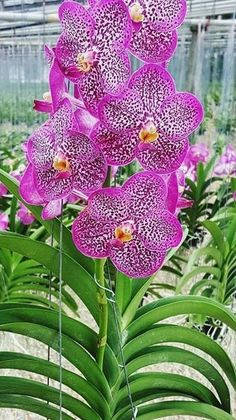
column 175, row 199
column 3, row 189
column 92, row 48
column 129, row 224
column 226, row 165
column 234, row 196
column 149, row 120
column 4, row 221
column 197, row 153
column 24, row 215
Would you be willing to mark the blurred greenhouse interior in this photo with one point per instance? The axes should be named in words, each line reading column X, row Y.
column 204, row 63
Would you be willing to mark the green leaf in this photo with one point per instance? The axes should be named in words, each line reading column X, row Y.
column 148, row 384
column 216, row 272
column 167, row 333
column 178, row 408
column 216, row 234
column 73, row 273
column 20, row 386
column 170, row 354
column 32, row 405
column 51, row 226
column 10, row 360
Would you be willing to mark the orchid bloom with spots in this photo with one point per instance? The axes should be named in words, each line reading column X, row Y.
column 92, row 50
column 129, row 224
column 149, row 121
column 154, row 22
column 226, row 165
column 61, row 160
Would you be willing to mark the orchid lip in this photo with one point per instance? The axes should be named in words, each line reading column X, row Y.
column 124, row 232
column 148, row 134
column 85, row 61
column 61, row 163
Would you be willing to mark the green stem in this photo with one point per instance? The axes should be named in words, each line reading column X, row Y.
column 103, row 311
column 107, row 182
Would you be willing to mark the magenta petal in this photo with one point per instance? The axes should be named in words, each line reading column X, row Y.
column 49, row 54
column 180, row 115
column 153, row 84
column 118, row 148
column 42, row 106
column 113, row 23
column 4, row 221
column 147, row 192
column 165, row 14
column 64, row 120
column 27, row 187
column 85, row 120
column 66, row 53
column 89, row 176
column 164, row 156
column 78, row 147
column 152, row 46
column 77, row 23
column 173, row 193
column 3, row 189
column 115, row 69
column 135, row 260
column 41, row 146
column 161, row 232
column 25, row 216
column 109, row 204
column 91, row 236
column 57, row 84
column 51, row 210
column 91, row 90
column 49, row 186
column 122, row 112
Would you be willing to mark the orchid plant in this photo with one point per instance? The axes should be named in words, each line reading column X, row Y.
column 100, row 116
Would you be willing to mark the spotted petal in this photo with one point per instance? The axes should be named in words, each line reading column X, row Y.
column 27, row 187
column 78, row 147
column 89, row 176
column 63, row 120
column 163, row 156
column 152, row 46
column 109, row 204
column 91, row 236
column 41, row 146
column 180, row 115
column 161, row 232
column 165, row 14
column 52, row 210
column 77, row 24
column 147, row 192
column 115, row 69
column 153, row 84
column 118, row 148
column 91, row 89
column 122, row 112
column 113, row 23
column 50, row 186
column 135, row 260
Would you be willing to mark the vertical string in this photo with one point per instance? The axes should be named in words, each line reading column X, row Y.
column 50, row 291
column 113, row 304
column 60, row 308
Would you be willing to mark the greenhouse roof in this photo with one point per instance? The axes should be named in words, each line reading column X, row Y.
column 34, row 21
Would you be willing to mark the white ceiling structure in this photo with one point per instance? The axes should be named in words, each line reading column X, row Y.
column 26, row 21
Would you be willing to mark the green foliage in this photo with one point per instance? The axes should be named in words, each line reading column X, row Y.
column 146, row 338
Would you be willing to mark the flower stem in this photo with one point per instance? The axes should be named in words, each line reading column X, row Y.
column 107, row 182
column 103, row 311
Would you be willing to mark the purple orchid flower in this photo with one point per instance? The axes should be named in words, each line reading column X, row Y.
column 197, row 153
column 61, row 159
column 154, row 23
column 226, row 166
column 149, row 120
column 24, row 215
column 92, row 48
column 129, row 224
column 4, row 221
column 3, row 189
column 175, row 199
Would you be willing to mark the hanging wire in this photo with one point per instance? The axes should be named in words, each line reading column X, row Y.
column 50, row 292
column 134, row 409
column 60, row 308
